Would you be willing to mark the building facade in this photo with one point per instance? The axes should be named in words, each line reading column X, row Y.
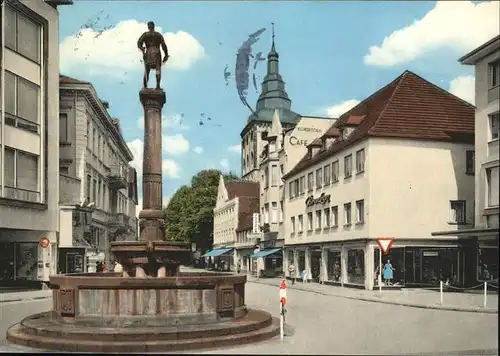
column 483, row 238
column 236, row 200
column 271, row 141
column 29, row 153
column 396, row 165
column 98, row 188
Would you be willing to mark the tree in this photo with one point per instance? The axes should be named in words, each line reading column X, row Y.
column 189, row 216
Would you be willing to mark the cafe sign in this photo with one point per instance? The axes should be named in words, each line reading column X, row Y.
column 321, row 200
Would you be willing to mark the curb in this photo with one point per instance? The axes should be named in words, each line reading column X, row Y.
column 24, row 299
column 412, row 305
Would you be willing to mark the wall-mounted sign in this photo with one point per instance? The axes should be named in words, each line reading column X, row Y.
column 308, row 129
column 321, row 200
column 44, row 242
column 294, row 141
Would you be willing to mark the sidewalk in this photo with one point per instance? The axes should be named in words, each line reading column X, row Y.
column 6, row 297
column 417, row 298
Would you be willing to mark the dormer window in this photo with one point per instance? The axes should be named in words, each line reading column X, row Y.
column 343, row 134
column 272, row 146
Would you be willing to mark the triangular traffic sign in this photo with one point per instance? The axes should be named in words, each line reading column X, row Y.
column 385, row 244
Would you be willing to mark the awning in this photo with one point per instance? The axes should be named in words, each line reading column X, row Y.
column 216, row 252
column 467, row 232
column 265, row 253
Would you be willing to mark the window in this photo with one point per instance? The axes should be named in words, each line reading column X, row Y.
column 274, row 175
column 310, row 181
column 296, row 188
column 94, row 140
column 64, row 170
column 319, row 178
column 282, row 172
column 335, row 171
column 22, row 35
column 494, row 69
column 301, row 223
column 21, row 103
column 360, row 212
column 63, row 128
column 494, row 126
column 21, row 175
column 347, row 166
column 318, row 219
column 457, row 212
column 89, row 181
column 292, row 222
column 266, row 177
column 360, row 161
column 281, row 211
column 89, row 138
column 335, row 216
column 290, row 189
column 492, row 188
column 327, row 172
column 274, row 212
column 327, row 217
column 470, row 162
column 309, row 221
column 347, row 214
column 94, row 190
column 302, row 185
column 266, row 214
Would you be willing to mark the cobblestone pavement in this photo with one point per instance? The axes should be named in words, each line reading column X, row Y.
column 418, row 297
column 322, row 324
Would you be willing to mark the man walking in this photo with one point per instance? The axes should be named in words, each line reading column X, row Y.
column 291, row 272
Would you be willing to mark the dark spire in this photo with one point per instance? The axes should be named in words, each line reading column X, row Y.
column 273, row 95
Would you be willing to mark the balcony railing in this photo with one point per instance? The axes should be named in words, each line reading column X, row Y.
column 117, row 176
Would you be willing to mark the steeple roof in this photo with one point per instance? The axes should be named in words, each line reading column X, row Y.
column 273, row 96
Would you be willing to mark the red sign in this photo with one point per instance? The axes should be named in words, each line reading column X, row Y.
column 385, row 244
column 44, row 242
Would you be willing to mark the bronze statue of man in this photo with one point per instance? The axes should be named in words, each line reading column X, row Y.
column 151, row 53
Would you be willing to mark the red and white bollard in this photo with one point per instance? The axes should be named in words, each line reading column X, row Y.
column 282, row 308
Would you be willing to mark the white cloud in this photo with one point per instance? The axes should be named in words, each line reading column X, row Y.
column 175, row 144
column 235, row 148
column 114, row 51
column 198, row 149
column 464, row 88
column 174, row 122
column 224, row 163
column 461, row 25
column 137, row 148
column 339, row 109
column 165, row 200
column 170, row 168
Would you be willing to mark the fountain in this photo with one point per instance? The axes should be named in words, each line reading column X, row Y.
column 151, row 306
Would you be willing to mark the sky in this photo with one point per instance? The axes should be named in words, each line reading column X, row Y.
column 333, row 54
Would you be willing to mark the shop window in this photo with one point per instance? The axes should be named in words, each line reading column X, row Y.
column 27, row 261
column 440, row 265
column 334, row 266
column 301, row 261
column 356, row 266
column 396, row 257
column 487, row 263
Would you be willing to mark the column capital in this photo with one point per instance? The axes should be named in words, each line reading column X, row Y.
column 152, row 98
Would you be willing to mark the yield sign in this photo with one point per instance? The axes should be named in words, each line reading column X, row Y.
column 385, row 244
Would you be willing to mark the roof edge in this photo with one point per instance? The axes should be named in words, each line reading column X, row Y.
column 480, row 52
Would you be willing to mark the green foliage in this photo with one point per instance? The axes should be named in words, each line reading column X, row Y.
column 189, row 215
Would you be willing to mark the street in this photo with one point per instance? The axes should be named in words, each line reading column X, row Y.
column 330, row 325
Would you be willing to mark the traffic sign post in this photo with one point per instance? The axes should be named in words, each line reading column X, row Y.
column 384, row 244
column 282, row 308
column 44, row 242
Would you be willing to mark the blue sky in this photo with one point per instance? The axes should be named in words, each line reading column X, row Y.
column 332, row 54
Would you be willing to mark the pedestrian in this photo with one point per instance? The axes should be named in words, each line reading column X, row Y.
column 303, row 275
column 388, row 272
column 238, row 267
column 291, row 272
column 104, row 267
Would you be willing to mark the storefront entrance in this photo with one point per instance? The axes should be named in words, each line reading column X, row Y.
column 71, row 260
column 334, row 267
column 19, row 264
column 315, row 265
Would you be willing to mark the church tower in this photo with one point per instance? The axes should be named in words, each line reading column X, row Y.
column 273, row 98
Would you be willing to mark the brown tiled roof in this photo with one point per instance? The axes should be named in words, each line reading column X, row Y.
column 409, row 107
column 247, row 207
column 333, row 131
column 63, row 79
column 241, row 188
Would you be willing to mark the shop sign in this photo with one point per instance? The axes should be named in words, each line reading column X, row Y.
column 321, row 200
column 308, row 129
column 431, row 253
column 294, row 141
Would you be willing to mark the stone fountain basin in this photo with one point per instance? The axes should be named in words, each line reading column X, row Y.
column 109, row 299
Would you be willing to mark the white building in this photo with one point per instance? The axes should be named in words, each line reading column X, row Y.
column 273, row 140
column 236, row 201
column 29, row 149
column 393, row 166
column 98, row 188
column 483, row 239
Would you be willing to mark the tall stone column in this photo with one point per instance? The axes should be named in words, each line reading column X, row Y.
column 152, row 217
